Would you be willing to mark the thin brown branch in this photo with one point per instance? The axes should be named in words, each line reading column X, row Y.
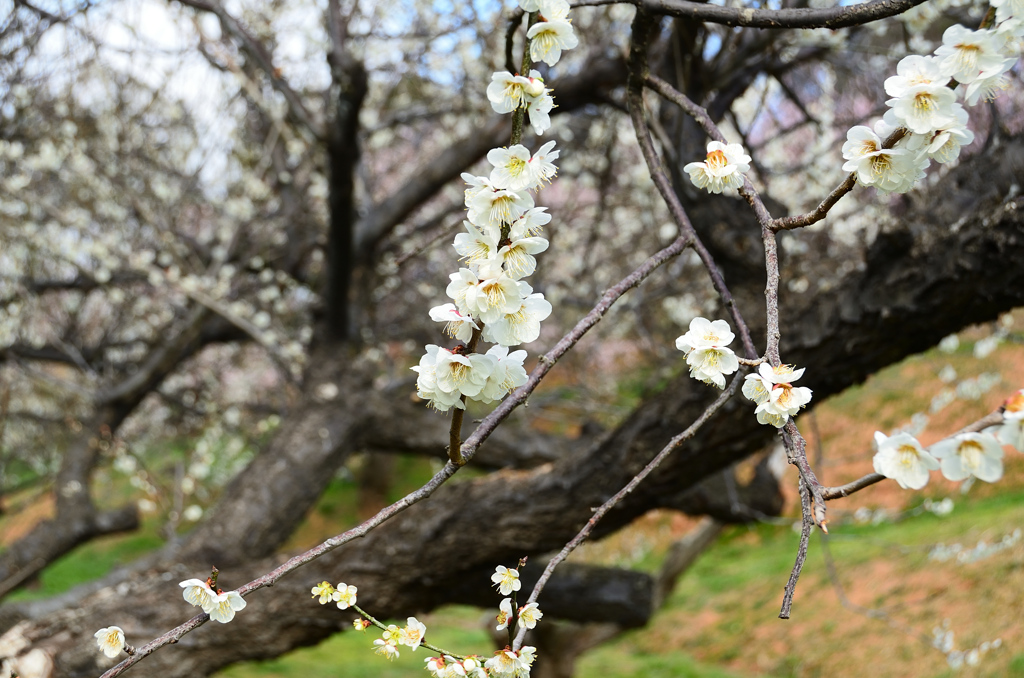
column 801, row 553
column 582, row 535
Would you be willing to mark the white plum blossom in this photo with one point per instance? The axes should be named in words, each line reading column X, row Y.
column 495, row 295
column 532, row 222
column 504, row 614
column 224, row 606
column 913, row 71
column 506, row 579
column 902, row 458
column 706, row 353
column 462, row 374
column 945, row 144
column 197, row 593
column 970, row 454
column 508, row 374
column 460, row 286
column 925, row 108
column 426, row 383
column 110, row 640
column 345, row 595
column 883, row 168
column 512, row 168
column 387, row 646
column 722, row 168
column 549, row 37
column 539, row 110
column 529, row 615
column 457, row 325
column 517, row 254
column 541, row 162
column 507, row 92
column 522, row 325
column 412, row 635
column 498, row 206
column 324, row 591
column 967, row 55
column 477, row 244
column 783, row 399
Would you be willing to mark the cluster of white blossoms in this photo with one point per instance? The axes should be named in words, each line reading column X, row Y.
column 506, row 663
column 968, row 455
column 707, row 355
column 220, row 605
column 344, row 595
column 723, row 168
column 773, row 391
column 925, row 105
column 490, row 299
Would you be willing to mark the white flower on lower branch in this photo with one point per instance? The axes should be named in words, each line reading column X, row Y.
column 903, row 459
column 970, row 454
column 110, row 640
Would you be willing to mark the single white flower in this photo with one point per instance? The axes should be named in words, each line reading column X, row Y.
column 197, row 592
column 507, row 580
column 512, row 168
column 508, row 374
column 517, row 254
column 532, row 222
column 498, row 206
column 345, row 596
column 478, row 244
column 521, row 325
column 529, row 615
column 462, row 374
column 549, row 38
column 457, row 325
column 755, row 388
column 507, row 92
column 387, row 646
column 474, row 186
column 912, row 71
column 412, row 635
column 985, row 88
column 504, row 614
column 223, row 607
column 503, row 663
column 539, row 110
column 902, row 458
column 426, row 383
column 945, row 144
column 706, row 352
column 970, row 454
column 542, row 162
column 723, row 168
column 925, row 108
column 494, row 296
column 967, row 55
column 462, row 283
column 110, row 640
column 324, row 591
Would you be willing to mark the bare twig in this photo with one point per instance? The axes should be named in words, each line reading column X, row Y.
column 801, row 553
column 582, row 535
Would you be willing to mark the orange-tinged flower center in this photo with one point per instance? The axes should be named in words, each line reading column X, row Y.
column 717, row 159
column 1016, row 402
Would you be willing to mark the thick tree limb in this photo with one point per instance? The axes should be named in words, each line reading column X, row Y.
column 924, row 274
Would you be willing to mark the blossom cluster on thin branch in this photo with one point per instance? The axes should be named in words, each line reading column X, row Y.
column 924, row 114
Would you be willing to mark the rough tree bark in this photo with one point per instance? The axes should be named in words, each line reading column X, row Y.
column 947, row 263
